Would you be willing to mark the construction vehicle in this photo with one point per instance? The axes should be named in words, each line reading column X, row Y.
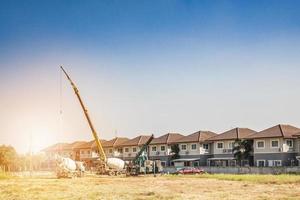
column 110, row 166
column 66, row 167
column 141, row 164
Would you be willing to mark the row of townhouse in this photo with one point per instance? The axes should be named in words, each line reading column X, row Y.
column 275, row 146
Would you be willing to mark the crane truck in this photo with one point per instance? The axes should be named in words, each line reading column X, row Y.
column 110, row 166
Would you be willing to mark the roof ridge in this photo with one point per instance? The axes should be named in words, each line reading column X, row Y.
column 139, row 140
column 113, row 144
column 280, row 128
column 199, row 135
column 168, row 137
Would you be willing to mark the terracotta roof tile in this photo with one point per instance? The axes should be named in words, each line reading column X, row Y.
column 281, row 130
column 76, row 144
column 137, row 141
column 58, row 147
column 168, row 138
column 199, row 136
column 233, row 134
column 117, row 141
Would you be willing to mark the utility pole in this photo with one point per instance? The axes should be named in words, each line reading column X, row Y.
column 30, row 155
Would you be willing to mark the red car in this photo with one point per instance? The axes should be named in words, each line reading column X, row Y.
column 190, row 170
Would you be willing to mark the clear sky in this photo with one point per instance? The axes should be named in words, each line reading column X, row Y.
column 146, row 67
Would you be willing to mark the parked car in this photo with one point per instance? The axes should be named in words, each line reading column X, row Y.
column 190, row 170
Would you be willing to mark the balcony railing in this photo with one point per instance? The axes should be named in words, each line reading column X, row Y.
column 227, row 150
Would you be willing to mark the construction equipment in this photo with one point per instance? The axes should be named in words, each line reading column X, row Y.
column 106, row 165
column 66, row 167
column 139, row 163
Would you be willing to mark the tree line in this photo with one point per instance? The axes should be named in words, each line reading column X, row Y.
column 10, row 160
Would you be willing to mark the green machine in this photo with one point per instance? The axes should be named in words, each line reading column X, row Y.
column 138, row 164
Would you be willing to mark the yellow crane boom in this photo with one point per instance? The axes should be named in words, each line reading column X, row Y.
column 100, row 148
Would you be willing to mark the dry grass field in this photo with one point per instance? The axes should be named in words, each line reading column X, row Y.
column 161, row 187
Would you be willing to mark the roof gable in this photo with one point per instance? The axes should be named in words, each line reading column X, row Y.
column 167, row 138
column 281, row 130
column 137, row 141
column 199, row 136
column 117, row 141
column 58, row 147
column 233, row 134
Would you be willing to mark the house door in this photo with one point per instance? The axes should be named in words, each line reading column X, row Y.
column 270, row 163
column 224, row 163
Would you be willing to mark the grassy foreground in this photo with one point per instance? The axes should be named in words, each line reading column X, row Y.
column 4, row 175
column 263, row 179
column 148, row 188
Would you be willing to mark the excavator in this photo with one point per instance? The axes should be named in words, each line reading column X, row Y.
column 109, row 166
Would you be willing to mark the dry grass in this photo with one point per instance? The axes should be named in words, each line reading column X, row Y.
column 144, row 188
column 4, row 175
column 263, row 179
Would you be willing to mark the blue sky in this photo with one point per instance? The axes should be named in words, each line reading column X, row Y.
column 147, row 67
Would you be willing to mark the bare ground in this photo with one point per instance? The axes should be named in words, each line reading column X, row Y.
column 162, row 187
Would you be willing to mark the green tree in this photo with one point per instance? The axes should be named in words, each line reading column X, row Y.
column 8, row 157
column 242, row 150
column 175, row 151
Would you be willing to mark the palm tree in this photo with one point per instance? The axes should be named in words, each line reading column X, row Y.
column 242, row 150
column 175, row 151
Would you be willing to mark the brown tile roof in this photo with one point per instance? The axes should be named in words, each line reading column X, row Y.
column 87, row 145
column 296, row 134
column 168, row 138
column 281, row 130
column 233, row 134
column 137, row 141
column 76, row 144
column 58, row 147
column 94, row 145
column 199, row 136
column 117, row 141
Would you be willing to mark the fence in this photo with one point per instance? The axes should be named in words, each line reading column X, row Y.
column 244, row 170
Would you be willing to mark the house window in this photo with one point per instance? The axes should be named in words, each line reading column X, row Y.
column 260, row 144
column 220, row 145
column 260, row 163
column 88, row 152
column 274, row 163
column 120, row 150
column 183, row 147
column 162, row 148
column 277, row 163
column 274, row 143
column 205, row 146
column 133, row 149
column 163, row 163
column 196, row 164
column 153, row 148
column 194, row 147
column 127, row 150
column 110, row 150
column 289, row 143
column 230, row 145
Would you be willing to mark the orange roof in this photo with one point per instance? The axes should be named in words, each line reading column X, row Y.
column 137, row 141
column 167, row 138
column 199, row 136
column 281, row 130
column 58, row 147
column 117, row 141
column 233, row 134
